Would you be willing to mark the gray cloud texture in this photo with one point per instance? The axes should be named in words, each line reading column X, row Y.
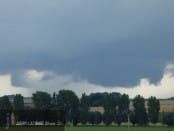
column 115, row 42
column 33, row 80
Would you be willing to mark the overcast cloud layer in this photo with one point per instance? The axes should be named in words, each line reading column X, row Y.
column 111, row 43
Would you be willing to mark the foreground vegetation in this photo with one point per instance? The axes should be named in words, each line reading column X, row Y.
column 118, row 129
column 94, row 128
column 33, row 129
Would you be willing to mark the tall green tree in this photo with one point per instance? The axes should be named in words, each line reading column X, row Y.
column 18, row 105
column 139, row 110
column 5, row 103
column 68, row 101
column 41, row 100
column 153, row 109
column 109, row 103
column 54, row 101
column 5, row 107
column 123, row 105
column 109, row 109
column 84, row 109
column 18, row 102
column 123, row 109
column 84, row 102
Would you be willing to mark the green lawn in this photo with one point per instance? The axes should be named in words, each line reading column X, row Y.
column 119, row 129
column 90, row 129
column 34, row 129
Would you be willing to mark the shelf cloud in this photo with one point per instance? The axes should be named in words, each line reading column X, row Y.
column 33, row 80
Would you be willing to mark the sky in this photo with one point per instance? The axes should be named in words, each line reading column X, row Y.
column 87, row 46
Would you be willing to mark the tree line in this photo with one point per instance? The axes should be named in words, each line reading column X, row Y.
column 77, row 110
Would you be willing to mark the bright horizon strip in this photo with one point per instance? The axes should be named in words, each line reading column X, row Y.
column 163, row 89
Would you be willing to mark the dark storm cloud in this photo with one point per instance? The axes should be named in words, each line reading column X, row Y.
column 114, row 42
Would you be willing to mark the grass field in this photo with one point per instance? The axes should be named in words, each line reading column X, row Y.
column 34, row 129
column 119, row 129
column 90, row 129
